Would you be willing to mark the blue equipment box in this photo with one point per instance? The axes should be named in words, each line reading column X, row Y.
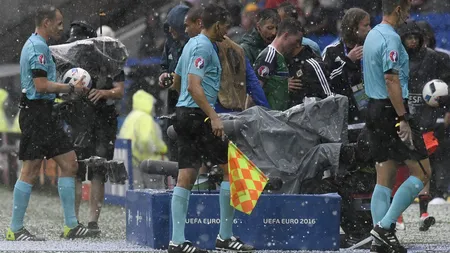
column 147, row 214
column 279, row 222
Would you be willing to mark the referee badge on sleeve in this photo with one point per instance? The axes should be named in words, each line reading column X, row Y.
column 393, row 56
column 41, row 59
column 199, row 62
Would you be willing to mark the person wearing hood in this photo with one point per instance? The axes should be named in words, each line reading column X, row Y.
column 93, row 123
column 262, row 35
column 173, row 47
column 3, row 120
column 425, row 65
column 430, row 39
column 145, row 135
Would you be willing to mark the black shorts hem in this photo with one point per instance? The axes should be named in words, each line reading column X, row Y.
column 196, row 141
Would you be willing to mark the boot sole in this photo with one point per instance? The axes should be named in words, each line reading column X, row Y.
column 386, row 244
column 427, row 223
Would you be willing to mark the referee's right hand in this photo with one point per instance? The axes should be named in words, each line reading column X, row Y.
column 79, row 87
column 404, row 132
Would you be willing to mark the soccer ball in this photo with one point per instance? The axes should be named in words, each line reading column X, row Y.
column 433, row 90
column 75, row 74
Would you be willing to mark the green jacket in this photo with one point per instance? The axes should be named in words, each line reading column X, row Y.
column 253, row 44
column 272, row 71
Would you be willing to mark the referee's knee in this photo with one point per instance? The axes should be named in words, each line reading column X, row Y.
column 421, row 169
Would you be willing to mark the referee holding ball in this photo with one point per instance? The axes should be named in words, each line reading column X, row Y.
column 394, row 136
column 41, row 135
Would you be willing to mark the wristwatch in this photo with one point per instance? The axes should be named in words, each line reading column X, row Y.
column 72, row 87
column 404, row 117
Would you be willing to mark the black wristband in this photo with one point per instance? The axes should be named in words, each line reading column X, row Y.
column 72, row 88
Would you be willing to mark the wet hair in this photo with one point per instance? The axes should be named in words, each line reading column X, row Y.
column 214, row 13
column 43, row 12
column 289, row 25
column 194, row 14
column 268, row 14
column 289, row 9
column 350, row 24
column 390, row 5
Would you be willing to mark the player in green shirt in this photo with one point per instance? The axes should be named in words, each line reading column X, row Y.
column 271, row 66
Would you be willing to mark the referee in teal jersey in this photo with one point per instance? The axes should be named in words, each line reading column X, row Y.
column 42, row 137
column 394, row 136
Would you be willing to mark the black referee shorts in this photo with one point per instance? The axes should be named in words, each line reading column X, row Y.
column 196, row 141
column 42, row 135
column 385, row 144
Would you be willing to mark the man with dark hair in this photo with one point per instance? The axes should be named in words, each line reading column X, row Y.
column 394, row 134
column 344, row 63
column 262, row 35
column 200, row 130
column 193, row 22
column 42, row 136
column 288, row 10
column 271, row 66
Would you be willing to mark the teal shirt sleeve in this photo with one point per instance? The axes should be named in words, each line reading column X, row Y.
column 38, row 57
column 391, row 54
column 200, row 58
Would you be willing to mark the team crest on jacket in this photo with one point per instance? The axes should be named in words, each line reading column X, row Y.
column 263, row 71
column 393, row 56
column 41, row 59
column 199, row 63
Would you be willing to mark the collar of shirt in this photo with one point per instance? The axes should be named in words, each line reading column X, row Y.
column 387, row 26
column 39, row 37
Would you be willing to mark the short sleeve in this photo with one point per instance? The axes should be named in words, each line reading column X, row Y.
column 391, row 55
column 179, row 67
column 198, row 61
column 265, row 64
column 38, row 57
column 119, row 77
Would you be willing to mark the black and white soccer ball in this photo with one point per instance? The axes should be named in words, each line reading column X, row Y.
column 433, row 90
column 75, row 74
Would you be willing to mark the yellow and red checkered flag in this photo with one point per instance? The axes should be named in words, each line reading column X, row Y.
column 247, row 182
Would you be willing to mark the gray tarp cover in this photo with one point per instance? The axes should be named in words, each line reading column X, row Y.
column 297, row 144
column 102, row 56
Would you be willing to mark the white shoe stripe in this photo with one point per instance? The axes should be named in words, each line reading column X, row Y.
column 20, row 237
column 191, row 249
column 231, row 244
column 240, row 246
column 185, row 248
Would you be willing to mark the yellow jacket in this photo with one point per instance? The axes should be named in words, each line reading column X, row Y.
column 144, row 133
column 4, row 126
